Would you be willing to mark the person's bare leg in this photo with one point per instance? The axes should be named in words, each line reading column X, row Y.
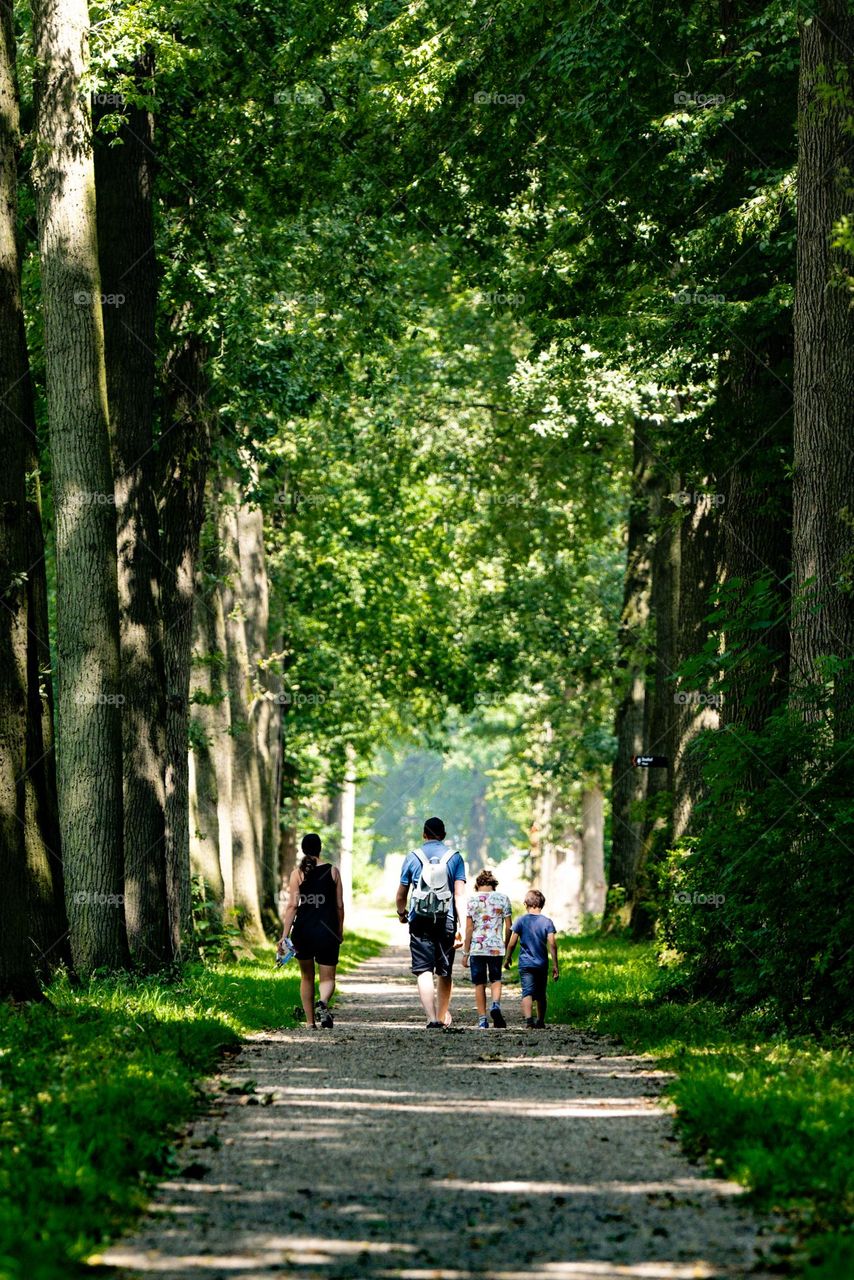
column 446, row 987
column 527, row 1006
column 480, row 999
column 427, row 995
column 306, row 989
column 496, row 992
column 327, row 982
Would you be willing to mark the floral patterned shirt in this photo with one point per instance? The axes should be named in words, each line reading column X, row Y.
column 488, row 911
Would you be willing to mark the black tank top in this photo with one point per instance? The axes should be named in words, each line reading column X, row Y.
column 318, row 901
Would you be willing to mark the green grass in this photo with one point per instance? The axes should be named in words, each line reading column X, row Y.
column 774, row 1113
column 94, row 1084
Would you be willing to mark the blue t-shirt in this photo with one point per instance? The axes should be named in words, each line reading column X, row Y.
column 455, row 867
column 532, row 931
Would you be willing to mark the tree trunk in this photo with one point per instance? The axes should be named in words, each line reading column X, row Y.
column 209, row 726
column 756, row 520
column 89, row 745
column 124, row 181
column 695, row 709
column 255, row 594
column 245, row 783
column 347, row 828
column 660, row 719
column 593, row 854
column 17, row 972
column 187, row 448
column 823, row 524
column 628, row 784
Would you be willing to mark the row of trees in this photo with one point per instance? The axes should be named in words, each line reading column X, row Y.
column 540, row 414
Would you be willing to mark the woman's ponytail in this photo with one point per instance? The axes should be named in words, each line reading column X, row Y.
column 311, row 846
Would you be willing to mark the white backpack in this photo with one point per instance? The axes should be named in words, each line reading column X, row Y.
column 432, row 898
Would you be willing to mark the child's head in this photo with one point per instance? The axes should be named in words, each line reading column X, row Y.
column 534, row 900
column 485, row 880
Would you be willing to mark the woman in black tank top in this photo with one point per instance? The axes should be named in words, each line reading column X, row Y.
column 315, row 920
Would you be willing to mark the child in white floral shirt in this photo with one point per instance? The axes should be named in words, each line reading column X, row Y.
column 487, row 934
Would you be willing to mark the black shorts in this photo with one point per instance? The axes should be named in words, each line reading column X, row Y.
column 316, row 944
column 485, row 968
column 432, row 950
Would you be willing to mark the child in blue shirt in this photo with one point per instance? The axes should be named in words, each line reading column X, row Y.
column 537, row 937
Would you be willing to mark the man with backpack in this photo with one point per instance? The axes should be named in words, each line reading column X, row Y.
column 437, row 906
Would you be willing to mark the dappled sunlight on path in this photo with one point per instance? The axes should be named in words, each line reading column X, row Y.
column 382, row 1150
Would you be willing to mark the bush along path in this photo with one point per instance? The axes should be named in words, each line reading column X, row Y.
column 382, row 1149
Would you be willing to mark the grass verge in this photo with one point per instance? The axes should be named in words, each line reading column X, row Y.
column 772, row 1112
column 94, row 1084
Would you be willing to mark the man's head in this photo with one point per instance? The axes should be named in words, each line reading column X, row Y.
column 434, row 829
column 485, row 880
column 534, row 900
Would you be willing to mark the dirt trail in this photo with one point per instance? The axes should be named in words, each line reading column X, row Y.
column 382, row 1150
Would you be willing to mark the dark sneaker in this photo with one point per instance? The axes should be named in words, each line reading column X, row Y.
column 530, row 1023
column 498, row 1019
column 323, row 1015
column 483, row 1023
column 434, row 1026
column 540, row 1023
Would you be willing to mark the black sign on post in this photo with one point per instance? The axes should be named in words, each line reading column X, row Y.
column 650, row 762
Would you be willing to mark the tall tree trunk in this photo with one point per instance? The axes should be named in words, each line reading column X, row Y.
column 823, row 523
column 48, row 917
column 48, row 925
column 209, row 726
column 593, row 853
column 347, row 827
column 255, row 595
column 245, row 795
column 124, row 180
column 186, row 444
column 17, row 972
column 756, row 521
column 628, row 784
column 89, row 745
column 695, row 710
column 660, row 718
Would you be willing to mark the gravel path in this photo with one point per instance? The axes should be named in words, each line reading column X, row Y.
column 382, row 1150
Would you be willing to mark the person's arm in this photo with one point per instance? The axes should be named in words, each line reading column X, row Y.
column 552, row 937
column 460, row 902
column 511, row 947
column 403, row 892
column 508, row 928
column 293, row 902
column 467, row 943
column 339, row 901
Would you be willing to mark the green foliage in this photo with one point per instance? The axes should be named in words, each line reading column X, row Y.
column 96, row 1082
column 772, row 1113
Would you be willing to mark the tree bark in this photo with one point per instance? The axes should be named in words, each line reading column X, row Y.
column 628, row 784
column 89, row 745
column 593, row 853
column 660, row 719
column 186, row 445
column 244, row 757
column 695, row 710
column 347, row 828
column 255, row 595
column 17, row 972
column 124, row 181
column 210, row 833
column 823, row 520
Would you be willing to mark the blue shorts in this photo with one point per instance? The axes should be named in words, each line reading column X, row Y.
column 535, row 981
column 485, row 967
column 432, row 949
